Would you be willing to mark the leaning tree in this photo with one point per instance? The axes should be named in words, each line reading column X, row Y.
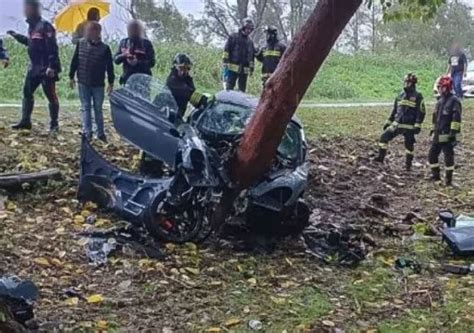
column 287, row 86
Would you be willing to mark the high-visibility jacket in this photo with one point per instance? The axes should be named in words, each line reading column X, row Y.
column 447, row 119
column 408, row 111
column 239, row 53
column 270, row 56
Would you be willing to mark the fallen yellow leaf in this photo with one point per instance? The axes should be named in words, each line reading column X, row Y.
column 72, row 301
column 79, row 219
column 213, row 330
column 42, row 262
column 232, row 322
column 94, row 299
column 101, row 325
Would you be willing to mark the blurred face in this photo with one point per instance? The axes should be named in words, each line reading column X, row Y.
column 93, row 15
column 183, row 70
column 408, row 84
column 92, row 32
column 443, row 90
column 456, row 46
column 247, row 30
column 135, row 31
column 31, row 11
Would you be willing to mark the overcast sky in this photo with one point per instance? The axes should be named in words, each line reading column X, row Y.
column 11, row 15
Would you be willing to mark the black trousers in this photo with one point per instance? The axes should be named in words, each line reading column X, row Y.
column 409, row 136
column 435, row 151
column 232, row 78
column 49, row 88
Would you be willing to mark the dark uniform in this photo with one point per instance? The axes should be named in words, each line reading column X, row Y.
column 184, row 92
column 270, row 55
column 43, row 54
column 239, row 58
column 406, row 118
column 143, row 50
column 3, row 51
column 446, row 127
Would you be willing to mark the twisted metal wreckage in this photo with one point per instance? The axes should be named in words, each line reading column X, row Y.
column 179, row 205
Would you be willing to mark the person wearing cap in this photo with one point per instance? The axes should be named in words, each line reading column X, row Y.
column 3, row 55
column 93, row 15
column 135, row 53
column 270, row 55
column 44, row 67
column 239, row 57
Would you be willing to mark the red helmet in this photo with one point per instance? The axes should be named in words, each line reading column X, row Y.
column 445, row 81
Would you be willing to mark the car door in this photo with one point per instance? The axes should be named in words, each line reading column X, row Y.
column 142, row 113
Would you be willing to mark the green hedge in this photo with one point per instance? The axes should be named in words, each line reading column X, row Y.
column 343, row 77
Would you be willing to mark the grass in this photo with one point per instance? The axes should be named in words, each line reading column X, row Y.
column 286, row 290
column 343, row 77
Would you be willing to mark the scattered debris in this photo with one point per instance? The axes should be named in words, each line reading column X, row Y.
column 100, row 244
column 458, row 232
column 255, row 325
column 16, row 300
column 403, row 263
column 459, row 269
column 13, row 181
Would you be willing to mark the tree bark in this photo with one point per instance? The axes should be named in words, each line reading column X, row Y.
column 287, row 86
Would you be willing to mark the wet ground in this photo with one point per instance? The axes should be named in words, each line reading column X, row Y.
column 211, row 289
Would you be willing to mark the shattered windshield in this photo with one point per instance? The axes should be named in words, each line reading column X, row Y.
column 151, row 90
column 226, row 119
column 231, row 119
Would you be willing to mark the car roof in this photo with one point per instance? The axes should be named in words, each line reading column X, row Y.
column 245, row 100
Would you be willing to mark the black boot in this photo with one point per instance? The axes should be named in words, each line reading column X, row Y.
column 25, row 122
column 435, row 174
column 449, row 177
column 381, row 157
column 53, row 118
column 409, row 162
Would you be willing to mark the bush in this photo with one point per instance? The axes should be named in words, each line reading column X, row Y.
column 361, row 76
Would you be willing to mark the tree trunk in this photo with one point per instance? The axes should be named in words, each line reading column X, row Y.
column 287, row 86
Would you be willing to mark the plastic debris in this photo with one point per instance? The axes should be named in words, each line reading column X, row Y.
column 403, row 263
column 19, row 297
column 458, row 232
column 255, row 325
column 98, row 249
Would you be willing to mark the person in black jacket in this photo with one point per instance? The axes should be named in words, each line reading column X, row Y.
column 239, row 56
column 44, row 67
column 271, row 53
column 446, row 127
column 135, row 53
column 3, row 55
column 91, row 61
column 406, row 118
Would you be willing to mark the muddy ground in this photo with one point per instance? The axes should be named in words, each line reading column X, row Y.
column 212, row 289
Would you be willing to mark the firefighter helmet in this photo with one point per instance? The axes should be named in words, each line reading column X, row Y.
column 248, row 23
column 446, row 81
column 271, row 29
column 182, row 59
column 411, row 78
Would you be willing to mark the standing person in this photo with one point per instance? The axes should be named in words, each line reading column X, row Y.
column 181, row 85
column 406, row 118
column 4, row 55
column 446, row 126
column 93, row 15
column 44, row 67
column 239, row 55
column 270, row 55
column 91, row 61
column 135, row 53
column 457, row 67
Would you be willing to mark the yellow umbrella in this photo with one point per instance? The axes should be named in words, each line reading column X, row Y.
column 75, row 13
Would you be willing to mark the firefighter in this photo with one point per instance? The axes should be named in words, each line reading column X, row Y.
column 406, row 118
column 3, row 55
column 271, row 53
column 446, row 127
column 181, row 85
column 44, row 67
column 135, row 53
column 238, row 57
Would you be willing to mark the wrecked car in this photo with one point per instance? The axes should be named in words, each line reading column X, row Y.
column 178, row 206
